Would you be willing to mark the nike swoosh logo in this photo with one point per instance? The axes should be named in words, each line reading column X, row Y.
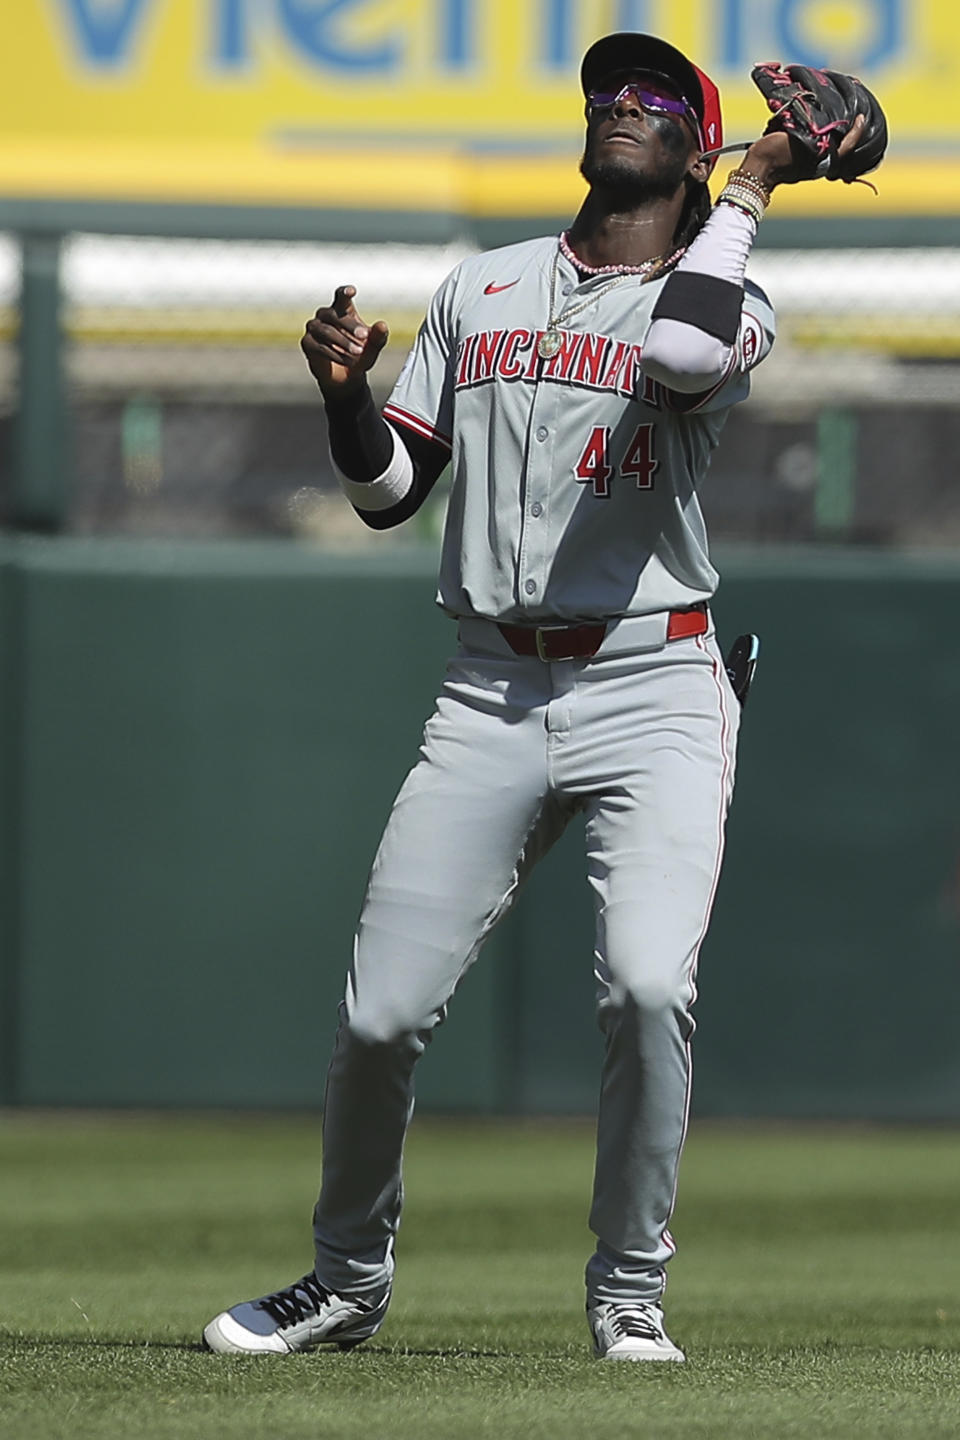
column 495, row 289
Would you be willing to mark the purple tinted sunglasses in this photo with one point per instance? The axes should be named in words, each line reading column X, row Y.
column 654, row 102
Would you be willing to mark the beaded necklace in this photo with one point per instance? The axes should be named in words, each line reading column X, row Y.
column 551, row 339
column 643, row 268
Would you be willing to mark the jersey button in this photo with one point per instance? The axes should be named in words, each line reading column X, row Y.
column 530, row 587
column 536, row 509
column 542, row 433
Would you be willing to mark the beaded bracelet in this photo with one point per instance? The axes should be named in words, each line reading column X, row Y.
column 745, row 192
column 751, row 182
column 746, row 204
column 744, row 199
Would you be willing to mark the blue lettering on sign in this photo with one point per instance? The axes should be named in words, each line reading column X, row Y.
column 732, row 36
column 633, row 15
column 104, row 31
column 557, row 47
column 743, row 35
column 886, row 38
column 231, row 33
column 457, row 45
column 313, row 27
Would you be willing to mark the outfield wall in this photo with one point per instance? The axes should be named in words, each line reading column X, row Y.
column 199, row 745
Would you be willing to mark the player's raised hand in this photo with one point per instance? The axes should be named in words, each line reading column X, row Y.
column 773, row 158
column 340, row 346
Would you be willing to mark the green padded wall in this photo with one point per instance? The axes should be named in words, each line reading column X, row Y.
column 198, row 748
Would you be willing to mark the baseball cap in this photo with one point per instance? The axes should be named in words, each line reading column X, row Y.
column 629, row 50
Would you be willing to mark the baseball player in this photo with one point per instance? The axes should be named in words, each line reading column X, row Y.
column 576, row 385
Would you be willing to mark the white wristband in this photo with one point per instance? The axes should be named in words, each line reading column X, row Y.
column 387, row 489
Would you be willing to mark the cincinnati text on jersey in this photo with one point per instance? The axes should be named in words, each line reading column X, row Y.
column 586, row 360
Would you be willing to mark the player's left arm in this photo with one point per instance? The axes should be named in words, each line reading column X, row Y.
column 701, row 333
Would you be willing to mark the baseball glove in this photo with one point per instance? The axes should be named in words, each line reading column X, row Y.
column 816, row 109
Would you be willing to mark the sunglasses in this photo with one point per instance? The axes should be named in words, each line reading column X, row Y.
column 654, row 102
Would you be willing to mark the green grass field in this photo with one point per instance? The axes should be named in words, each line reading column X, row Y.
column 816, row 1290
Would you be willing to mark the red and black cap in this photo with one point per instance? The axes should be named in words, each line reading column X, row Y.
column 629, row 50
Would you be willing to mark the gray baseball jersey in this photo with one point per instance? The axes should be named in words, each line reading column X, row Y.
column 583, row 472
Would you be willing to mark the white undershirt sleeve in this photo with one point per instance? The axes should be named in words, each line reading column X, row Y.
column 682, row 356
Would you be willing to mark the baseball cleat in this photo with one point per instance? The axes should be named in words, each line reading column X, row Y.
column 630, row 1330
column 301, row 1317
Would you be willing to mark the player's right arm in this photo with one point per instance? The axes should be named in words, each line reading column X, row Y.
column 386, row 470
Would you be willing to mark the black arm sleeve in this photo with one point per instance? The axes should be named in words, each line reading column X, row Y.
column 361, row 444
column 360, row 439
column 706, row 301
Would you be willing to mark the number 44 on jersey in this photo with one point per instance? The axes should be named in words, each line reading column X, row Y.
column 638, row 462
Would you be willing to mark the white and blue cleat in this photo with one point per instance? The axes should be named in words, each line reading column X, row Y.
column 301, row 1317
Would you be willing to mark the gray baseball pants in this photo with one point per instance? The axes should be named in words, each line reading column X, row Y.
column 643, row 746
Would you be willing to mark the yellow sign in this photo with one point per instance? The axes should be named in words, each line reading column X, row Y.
column 464, row 105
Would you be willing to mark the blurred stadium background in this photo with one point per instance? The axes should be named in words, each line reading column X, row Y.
column 198, row 737
column 189, row 412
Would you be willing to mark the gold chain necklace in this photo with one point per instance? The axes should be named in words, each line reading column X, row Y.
column 551, row 339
